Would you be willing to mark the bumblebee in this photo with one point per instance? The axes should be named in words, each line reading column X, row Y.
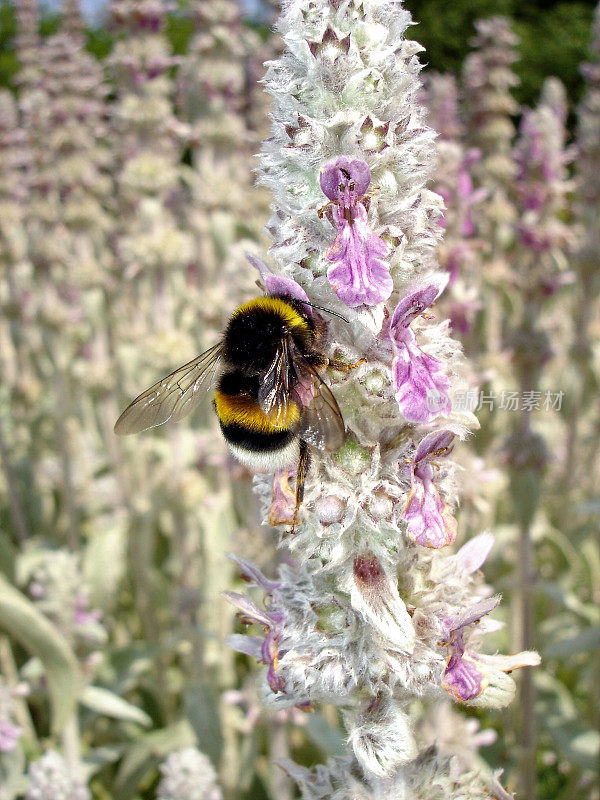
column 271, row 402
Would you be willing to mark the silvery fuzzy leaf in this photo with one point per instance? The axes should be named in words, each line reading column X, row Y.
column 20, row 617
column 375, row 596
column 381, row 737
column 109, row 704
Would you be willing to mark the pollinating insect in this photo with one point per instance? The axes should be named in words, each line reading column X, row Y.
column 271, row 401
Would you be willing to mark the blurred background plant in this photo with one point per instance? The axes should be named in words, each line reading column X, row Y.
column 127, row 205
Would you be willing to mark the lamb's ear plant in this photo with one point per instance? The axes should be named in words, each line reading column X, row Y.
column 459, row 251
column 154, row 316
column 539, row 271
column 10, row 731
column 51, row 776
column 14, row 272
column 488, row 78
column 211, row 95
column 27, row 42
column 584, row 429
column 188, row 775
column 61, row 94
column 374, row 612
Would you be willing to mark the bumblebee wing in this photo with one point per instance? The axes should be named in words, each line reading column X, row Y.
column 323, row 425
column 172, row 397
column 274, row 394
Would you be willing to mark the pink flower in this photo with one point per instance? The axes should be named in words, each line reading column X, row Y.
column 82, row 615
column 359, row 274
column 468, row 673
column 462, row 678
column 251, row 573
column 9, row 735
column 429, row 522
column 463, row 306
column 421, row 385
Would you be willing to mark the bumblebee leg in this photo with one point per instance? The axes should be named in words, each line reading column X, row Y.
column 303, row 464
column 321, row 211
column 342, row 366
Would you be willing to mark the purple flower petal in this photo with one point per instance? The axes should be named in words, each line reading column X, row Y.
column 274, row 680
column 411, row 306
column 337, row 176
column 253, row 574
column 462, row 680
column 248, row 608
column 248, row 645
column 474, row 613
column 430, row 524
column 467, row 674
column 270, row 656
column 435, row 445
column 472, row 555
column 422, row 388
column 265, row 650
column 359, row 274
column 277, row 284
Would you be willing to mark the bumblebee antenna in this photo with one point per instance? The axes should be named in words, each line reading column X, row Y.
column 328, row 310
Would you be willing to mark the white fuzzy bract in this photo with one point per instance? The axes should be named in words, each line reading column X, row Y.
column 51, row 778
column 188, row 775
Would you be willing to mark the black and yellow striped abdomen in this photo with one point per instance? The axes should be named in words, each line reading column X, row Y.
column 244, row 422
column 254, row 438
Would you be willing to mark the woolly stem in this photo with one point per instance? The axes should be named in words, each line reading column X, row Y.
column 8, row 667
column 71, row 743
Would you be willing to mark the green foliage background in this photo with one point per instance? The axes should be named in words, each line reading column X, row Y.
column 554, row 37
